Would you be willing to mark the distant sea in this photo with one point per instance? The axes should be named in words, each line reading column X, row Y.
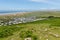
column 12, row 12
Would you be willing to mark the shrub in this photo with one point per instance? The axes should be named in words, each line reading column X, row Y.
column 34, row 37
column 50, row 16
column 24, row 34
column 5, row 33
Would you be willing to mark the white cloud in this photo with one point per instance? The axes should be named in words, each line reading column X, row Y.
column 39, row 0
column 47, row 1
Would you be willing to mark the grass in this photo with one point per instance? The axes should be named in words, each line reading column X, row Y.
column 38, row 30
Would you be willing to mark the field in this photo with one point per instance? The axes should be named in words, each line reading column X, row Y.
column 48, row 29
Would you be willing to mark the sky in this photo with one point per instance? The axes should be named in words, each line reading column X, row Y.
column 29, row 4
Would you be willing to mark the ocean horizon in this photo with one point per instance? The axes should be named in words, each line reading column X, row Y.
column 12, row 12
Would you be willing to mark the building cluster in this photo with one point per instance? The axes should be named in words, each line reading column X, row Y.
column 17, row 21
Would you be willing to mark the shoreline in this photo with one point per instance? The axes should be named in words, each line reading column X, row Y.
column 2, row 14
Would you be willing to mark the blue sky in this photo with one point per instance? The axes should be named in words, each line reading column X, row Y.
column 29, row 4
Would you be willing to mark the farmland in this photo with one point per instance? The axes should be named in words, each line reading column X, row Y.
column 47, row 29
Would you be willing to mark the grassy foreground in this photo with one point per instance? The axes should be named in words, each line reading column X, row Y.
column 38, row 30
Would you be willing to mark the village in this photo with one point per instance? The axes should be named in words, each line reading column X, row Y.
column 19, row 20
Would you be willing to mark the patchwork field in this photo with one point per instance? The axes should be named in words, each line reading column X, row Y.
column 48, row 29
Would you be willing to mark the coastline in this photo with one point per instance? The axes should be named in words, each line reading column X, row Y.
column 2, row 14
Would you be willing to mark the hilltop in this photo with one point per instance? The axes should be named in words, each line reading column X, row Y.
column 46, row 29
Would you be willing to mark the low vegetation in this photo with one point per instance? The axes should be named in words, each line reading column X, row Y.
column 47, row 29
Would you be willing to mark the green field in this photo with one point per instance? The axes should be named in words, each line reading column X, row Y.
column 48, row 29
column 37, row 30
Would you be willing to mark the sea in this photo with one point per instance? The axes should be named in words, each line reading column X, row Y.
column 12, row 12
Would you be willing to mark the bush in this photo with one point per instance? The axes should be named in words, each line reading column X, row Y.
column 34, row 37
column 5, row 33
column 24, row 34
column 50, row 16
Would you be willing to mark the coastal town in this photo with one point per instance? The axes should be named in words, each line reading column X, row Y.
column 19, row 20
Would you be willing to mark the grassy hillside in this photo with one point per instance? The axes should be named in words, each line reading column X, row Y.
column 38, row 30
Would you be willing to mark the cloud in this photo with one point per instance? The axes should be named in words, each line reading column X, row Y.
column 53, row 2
column 39, row 1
